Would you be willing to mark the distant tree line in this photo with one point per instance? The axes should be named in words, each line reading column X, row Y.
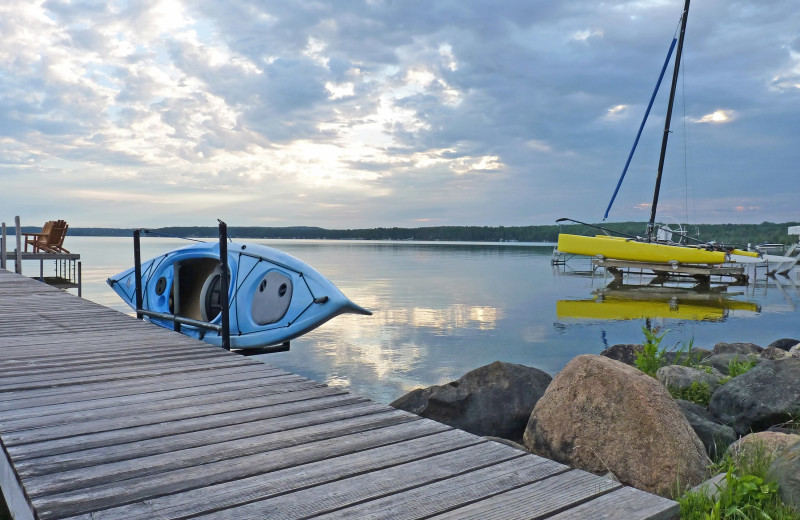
column 730, row 234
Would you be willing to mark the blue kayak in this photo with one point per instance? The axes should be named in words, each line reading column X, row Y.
column 274, row 297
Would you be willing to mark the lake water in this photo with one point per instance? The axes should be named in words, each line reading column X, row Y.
column 442, row 309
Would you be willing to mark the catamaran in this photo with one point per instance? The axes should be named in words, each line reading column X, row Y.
column 655, row 246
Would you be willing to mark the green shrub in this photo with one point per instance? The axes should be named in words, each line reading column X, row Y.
column 698, row 392
column 744, row 494
column 651, row 358
column 687, row 357
column 737, row 368
column 740, row 497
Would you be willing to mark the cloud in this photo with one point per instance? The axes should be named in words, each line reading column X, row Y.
column 463, row 113
column 717, row 117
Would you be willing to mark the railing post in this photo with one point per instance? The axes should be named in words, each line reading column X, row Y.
column 224, row 285
column 18, row 258
column 176, row 291
column 3, row 248
column 137, row 270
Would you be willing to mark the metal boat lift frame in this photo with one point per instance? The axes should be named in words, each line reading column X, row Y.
column 701, row 274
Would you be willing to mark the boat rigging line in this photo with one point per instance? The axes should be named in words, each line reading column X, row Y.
column 641, row 126
column 678, row 54
column 601, row 228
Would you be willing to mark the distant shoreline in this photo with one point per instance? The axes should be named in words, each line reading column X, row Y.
column 731, row 234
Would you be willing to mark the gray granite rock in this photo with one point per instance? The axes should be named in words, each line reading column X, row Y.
column 767, row 395
column 494, row 400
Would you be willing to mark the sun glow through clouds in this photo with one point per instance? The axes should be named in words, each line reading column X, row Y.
column 718, row 117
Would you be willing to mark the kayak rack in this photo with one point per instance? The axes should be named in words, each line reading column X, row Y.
column 224, row 329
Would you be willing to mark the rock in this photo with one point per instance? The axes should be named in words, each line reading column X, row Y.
column 601, row 415
column 694, row 356
column 773, row 353
column 784, row 343
column 713, row 486
column 737, row 348
column 767, row 395
column 624, row 352
column 795, row 351
column 784, row 428
column 721, row 362
column 679, row 378
column 785, row 470
column 494, row 400
column 715, row 437
column 415, row 401
column 760, row 445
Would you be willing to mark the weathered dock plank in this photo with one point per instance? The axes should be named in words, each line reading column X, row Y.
column 103, row 416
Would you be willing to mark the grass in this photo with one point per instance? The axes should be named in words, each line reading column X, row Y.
column 745, row 493
column 737, row 368
column 697, row 392
column 653, row 356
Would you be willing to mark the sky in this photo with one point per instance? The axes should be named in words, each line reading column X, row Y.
column 408, row 113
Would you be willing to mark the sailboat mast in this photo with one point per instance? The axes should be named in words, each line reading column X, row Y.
column 679, row 52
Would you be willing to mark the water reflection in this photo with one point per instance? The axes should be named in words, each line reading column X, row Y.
column 456, row 316
column 631, row 302
column 443, row 309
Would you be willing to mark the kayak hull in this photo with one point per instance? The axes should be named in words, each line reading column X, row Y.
column 273, row 296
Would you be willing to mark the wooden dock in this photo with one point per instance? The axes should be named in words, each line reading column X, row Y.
column 103, row 416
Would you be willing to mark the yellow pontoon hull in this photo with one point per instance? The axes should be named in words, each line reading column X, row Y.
column 628, row 249
column 614, row 309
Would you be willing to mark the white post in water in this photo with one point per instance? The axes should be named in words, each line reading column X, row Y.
column 18, row 259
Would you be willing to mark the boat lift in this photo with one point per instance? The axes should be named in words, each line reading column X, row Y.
column 794, row 253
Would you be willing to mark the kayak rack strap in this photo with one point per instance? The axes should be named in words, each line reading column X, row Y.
column 223, row 329
column 180, row 319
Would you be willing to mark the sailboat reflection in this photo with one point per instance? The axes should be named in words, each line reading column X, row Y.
column 631, row 302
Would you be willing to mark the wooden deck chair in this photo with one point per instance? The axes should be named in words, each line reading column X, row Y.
column 55, row 240
column 50, row 240
column 37, row 240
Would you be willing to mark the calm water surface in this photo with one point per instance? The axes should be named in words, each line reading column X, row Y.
column 442, row 309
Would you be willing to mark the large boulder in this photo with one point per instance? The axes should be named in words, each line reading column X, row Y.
column 601, row 415
column 716, row 437
column 494, row 400
column 785, row 470
column 766, row 395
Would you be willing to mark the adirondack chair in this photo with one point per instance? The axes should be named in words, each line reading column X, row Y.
column 50, row 240
column 38, row 239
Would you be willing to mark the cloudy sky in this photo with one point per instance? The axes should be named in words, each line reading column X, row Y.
column 366, row 113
